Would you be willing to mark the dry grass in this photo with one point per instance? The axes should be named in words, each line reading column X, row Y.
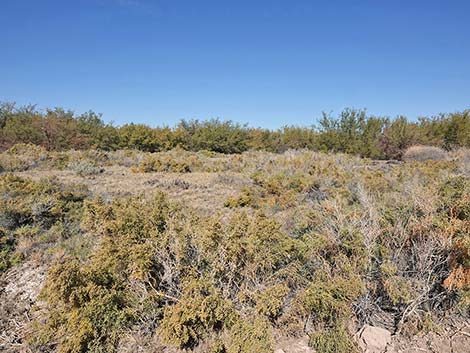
column 204, row 191
column 425, row 153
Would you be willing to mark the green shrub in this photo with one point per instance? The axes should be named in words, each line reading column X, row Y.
column 330, row 299
column 88, row 309
column 245, row 199
column 29, row 209
column 85, row 167
column 23, row 157
column 7, row 247
column 250, row 335
column 332, row 340
column 171, row 162
column 398, row 290
column 200, row 312
column 271, row 301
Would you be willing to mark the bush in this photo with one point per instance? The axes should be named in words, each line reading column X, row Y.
column 7, row 247
column 22, row 157
column 201, row 312
column 85, row 167
column 215, row 135
column 330, row 299
column 271, row 301
column 425, row 153
column 353, row 131
column 332, row 340
column 250, row 335
column 88, row 309
column 27, row 205
column 176, row 161
column 322, row 240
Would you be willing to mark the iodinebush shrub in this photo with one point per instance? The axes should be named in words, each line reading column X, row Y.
column 333, row 340
column 173, row 162
column 201, row 311
column 85, row 167
column 321, row 240
column 88, row 308
column 191, row 278
column 22, row 157
column 33, row 210
column 250, row 335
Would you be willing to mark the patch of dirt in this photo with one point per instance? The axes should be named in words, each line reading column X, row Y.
column 293, row 345
column 453, row 338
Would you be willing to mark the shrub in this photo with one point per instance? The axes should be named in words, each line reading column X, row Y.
column 200, row 312
column 271, row 301
column 7, row 247
column 27, row 205
column 425, row 153
column 462, row 156
column 398, row 135
column 88, row 309
column 330, row 299
column 215, row 135
column 22, row 157
column 176, row 161
column 398, row 290
column 245, row 199
column 352, row 132
column 139, row 137
column 332, row 340
column 250, row 335
column 85, row 167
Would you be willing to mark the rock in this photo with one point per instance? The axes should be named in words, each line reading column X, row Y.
column 294, row 345
column 372, row 339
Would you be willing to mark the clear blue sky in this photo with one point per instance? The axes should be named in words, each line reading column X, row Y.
column 266, row 63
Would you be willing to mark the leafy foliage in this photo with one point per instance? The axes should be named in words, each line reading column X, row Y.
column 353, row 131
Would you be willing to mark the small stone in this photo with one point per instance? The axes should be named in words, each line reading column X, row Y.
column 372, row 339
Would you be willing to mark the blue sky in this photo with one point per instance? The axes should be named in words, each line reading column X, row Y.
column 266, row 63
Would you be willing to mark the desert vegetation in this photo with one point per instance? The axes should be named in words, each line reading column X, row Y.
column 352, row 131
column 216, row 237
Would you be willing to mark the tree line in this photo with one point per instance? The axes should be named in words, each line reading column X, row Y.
column 352, row 131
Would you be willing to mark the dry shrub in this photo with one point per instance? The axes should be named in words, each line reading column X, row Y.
column 176, row 161
column 23, row 157
column 201, row 311
column 85, row 167
column 250, row 335
column 420, row 153
column 31, row 212
column 462, row 156
column 333, row 340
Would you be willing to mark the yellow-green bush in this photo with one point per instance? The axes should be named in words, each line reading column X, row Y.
column 176, row 161
column 332, row 340
column 22, row 157
column 30, row 209
column 200, row 312
column 250, row 335
column 330, row 299
column 321, row 240
column 7, row 247
column 88, row 309
column 271, row 301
